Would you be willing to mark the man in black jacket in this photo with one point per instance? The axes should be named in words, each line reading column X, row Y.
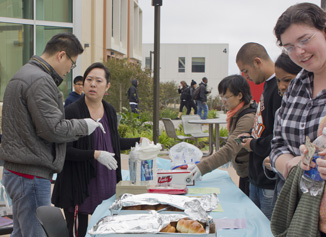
column 133, row 96
column 256, row 65
column 202, row 99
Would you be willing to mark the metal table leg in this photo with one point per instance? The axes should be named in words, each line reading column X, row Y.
column 217, row 136
column 211, row 140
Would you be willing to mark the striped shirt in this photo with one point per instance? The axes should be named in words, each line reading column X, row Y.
column 299, row 116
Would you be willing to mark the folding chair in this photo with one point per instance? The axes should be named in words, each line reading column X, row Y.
column 170, row 130
column 195, row 130
column 52, row 221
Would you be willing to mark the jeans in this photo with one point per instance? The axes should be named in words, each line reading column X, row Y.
column 27, row 195
column 200, row 107
column 263, row 198
column 134, row 108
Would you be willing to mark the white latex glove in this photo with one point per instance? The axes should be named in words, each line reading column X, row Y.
column 191, row 166
column 92, row 125
column 194, row 174
column 107, row 159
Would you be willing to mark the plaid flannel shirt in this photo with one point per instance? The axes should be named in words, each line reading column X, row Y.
column 299, row 116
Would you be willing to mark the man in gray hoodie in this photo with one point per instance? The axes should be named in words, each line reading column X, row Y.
column 35, row 131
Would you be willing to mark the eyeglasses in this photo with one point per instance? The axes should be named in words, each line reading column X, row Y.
column 301, row 44
column 73, row 63
column 226, row 98
column 79, row 84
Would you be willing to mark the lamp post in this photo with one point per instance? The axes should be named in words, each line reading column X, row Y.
column 156, row 85
column 150, row 62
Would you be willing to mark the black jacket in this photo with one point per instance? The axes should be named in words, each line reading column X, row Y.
column 262, row 131
column 202, row 96
column 184, row 93
column 71, row 186
column 132, row 92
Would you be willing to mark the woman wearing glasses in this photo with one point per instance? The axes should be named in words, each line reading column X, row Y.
column 236, row 97
column 301, row 32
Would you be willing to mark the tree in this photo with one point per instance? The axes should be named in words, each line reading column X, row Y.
column 122, row 73
column 169, row 93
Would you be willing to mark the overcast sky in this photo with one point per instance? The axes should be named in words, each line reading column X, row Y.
column 235, row 22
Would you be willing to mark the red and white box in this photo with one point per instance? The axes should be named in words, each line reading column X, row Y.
column 180, row 177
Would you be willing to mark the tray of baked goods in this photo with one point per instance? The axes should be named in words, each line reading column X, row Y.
column 153, row 223
column 164, row 203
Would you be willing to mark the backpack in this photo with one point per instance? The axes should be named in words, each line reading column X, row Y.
column 252, row 108
column 186, row 93
column 195, row 94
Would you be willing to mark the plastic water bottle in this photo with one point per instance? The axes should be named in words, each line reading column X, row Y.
column 311, row 181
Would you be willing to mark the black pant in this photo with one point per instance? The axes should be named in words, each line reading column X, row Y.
column 191, row 104
column 244, row 185
column 182, row 104
column 82, row 222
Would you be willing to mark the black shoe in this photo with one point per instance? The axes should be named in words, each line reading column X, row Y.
column 177, row 118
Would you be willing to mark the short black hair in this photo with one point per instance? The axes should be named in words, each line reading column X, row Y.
column 101, row 66
column 236, row 84
column 67, row 42
column 249, row 51
column 77, row 79
column 284, row 62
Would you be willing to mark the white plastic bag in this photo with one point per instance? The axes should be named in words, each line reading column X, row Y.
column 5, row 202
column 184, row 154
column 142, row 161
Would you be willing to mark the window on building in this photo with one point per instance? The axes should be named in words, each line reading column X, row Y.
column 15, row 50
column 17, row 34
column 54, row 10
column 182, row 64
column 198, row 64
column 22, row 9
column 147, row 62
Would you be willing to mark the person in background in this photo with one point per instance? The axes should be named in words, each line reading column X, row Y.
column 78, row 90
column 184, row 92
column 285, row 71
column 201, row 100
column 133, row 96
column 255, row 63
column 301, row 32
column 236, row 97
column 192, row 104
column 93, row 166
column 35, row 132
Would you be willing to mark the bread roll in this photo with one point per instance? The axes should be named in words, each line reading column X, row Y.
column 196, row 227
column 189, row 226
column 138, row 207
column 169, row 228
column 148, row 207
column 161, row 206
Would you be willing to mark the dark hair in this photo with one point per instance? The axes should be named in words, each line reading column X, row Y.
column 101, row 66
column 284, row 62
column 184, row 84
column 301, row 13
column 78, row 78
column 236, row 84
column 67, row 42
column 249, row 51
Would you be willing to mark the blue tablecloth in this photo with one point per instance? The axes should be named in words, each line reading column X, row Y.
column 235, row 204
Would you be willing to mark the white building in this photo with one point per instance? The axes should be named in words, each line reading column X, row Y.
column 190, row 61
